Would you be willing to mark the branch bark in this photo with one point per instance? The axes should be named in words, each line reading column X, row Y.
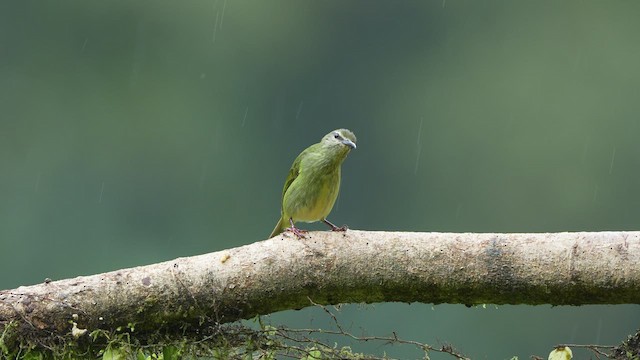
column 330, row 268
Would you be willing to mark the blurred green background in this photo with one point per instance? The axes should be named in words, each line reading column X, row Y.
column 134, row 132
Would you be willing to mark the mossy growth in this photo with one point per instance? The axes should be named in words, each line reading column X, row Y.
column 212, row 341
column 629, row 349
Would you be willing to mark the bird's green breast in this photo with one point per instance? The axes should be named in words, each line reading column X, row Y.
column 311, row 196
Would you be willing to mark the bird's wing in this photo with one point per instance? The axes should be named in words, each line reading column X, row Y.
column 293, row 174
column 296, row 167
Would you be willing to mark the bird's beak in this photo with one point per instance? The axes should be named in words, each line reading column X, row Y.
column 349, row 143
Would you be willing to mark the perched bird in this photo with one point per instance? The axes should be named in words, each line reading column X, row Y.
column 313, row 183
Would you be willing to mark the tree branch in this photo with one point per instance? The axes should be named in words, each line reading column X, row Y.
column 331, row 268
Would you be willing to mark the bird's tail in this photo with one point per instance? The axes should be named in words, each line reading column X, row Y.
column 280, row 226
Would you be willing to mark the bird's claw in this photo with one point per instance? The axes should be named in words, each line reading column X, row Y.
column 297, row 232
column 333, row 227
column 340, row 228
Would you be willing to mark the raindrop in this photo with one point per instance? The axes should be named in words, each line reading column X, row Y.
column 244, row 119
column 613, row 157
column 599, row 331
column 101, row 192
column 299, row 109
column 420, row 130
column 215, row 26
column 419, row 146
column 224, row 6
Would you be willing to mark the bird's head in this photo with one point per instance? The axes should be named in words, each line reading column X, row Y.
column 341, row 139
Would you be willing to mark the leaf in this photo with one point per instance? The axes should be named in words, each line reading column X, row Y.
column 140, row 356
column 170, row 353
column 33, row 356
column 314, row 354
column 114, row 354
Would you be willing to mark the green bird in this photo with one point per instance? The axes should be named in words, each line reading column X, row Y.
column 313, row 183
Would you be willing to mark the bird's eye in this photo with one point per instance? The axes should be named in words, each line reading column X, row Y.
column 337, row 136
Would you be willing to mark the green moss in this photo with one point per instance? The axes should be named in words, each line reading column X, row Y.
column 229, row 341
column 150, row 302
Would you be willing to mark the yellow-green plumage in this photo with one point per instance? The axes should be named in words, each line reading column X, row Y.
column 313, row 183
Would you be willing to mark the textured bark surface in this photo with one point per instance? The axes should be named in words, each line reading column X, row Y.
column 330, row 268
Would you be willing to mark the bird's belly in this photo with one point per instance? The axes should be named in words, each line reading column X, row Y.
column 312, row 202
column 313, row 213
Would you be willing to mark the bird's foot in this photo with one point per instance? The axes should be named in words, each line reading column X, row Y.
column 297, row 232
column 335, row 228
column 340, row 228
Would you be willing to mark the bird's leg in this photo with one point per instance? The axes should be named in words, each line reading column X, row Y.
column 333, row 227
column 297, row 232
